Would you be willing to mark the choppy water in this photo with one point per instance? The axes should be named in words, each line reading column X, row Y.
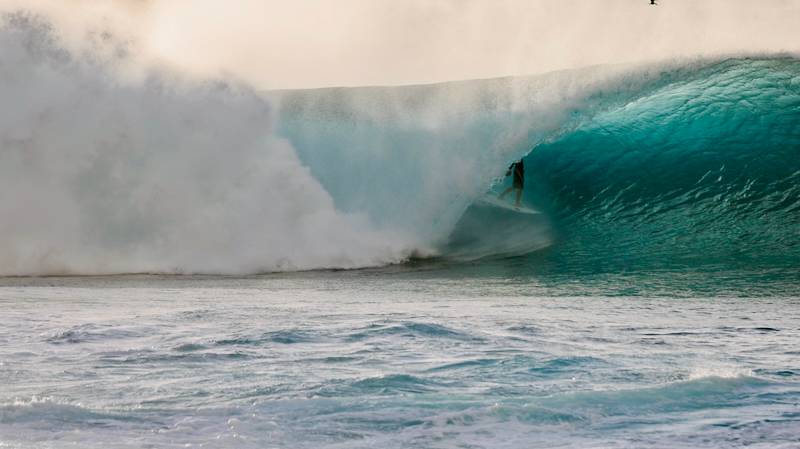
column 398, row 357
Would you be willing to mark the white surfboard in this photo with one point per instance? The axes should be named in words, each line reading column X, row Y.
column 491, row 199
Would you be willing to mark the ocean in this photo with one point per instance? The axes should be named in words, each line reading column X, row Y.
column 199, row 264
column 431, row 356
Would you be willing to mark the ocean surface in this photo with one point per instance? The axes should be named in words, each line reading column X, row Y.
column 417, row 356
column 193, row 263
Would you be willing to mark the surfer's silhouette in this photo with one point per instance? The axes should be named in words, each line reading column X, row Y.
column 653, row 2
column 519, row 181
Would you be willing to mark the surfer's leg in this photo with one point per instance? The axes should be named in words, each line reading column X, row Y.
column 500, row 197
column 519, row 196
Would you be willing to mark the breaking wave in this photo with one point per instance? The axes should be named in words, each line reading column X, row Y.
column 686, row 161
column 100, row 176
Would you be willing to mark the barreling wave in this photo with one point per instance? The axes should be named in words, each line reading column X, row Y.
column 681, row 161
column 677, row 163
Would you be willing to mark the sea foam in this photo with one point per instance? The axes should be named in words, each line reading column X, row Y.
column 164, row 175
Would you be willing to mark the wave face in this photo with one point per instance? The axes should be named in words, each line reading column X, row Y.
column 660, row 163
column 683, row 164
column 702, row 170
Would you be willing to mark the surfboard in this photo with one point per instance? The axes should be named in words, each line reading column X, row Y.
column 491, row 199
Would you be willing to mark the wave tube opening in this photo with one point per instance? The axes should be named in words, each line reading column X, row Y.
column 662, row 166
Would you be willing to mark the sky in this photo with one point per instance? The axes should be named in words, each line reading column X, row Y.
column 280, row 44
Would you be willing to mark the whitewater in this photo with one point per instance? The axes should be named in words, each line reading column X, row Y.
column 196, row 263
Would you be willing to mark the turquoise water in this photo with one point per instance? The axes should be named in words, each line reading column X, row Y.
column 703, row 170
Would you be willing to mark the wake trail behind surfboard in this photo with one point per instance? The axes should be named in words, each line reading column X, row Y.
column 492, row 199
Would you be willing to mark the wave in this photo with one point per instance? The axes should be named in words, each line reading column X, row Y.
column 678, row 163
column 694, row 160
column 701, row 170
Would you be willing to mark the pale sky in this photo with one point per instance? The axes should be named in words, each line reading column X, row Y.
column 276, row 44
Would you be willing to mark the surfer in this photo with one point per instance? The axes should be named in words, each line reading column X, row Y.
column 519, row 181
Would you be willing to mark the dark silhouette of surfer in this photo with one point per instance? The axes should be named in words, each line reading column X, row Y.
column 653, row 2
column 519, row 181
